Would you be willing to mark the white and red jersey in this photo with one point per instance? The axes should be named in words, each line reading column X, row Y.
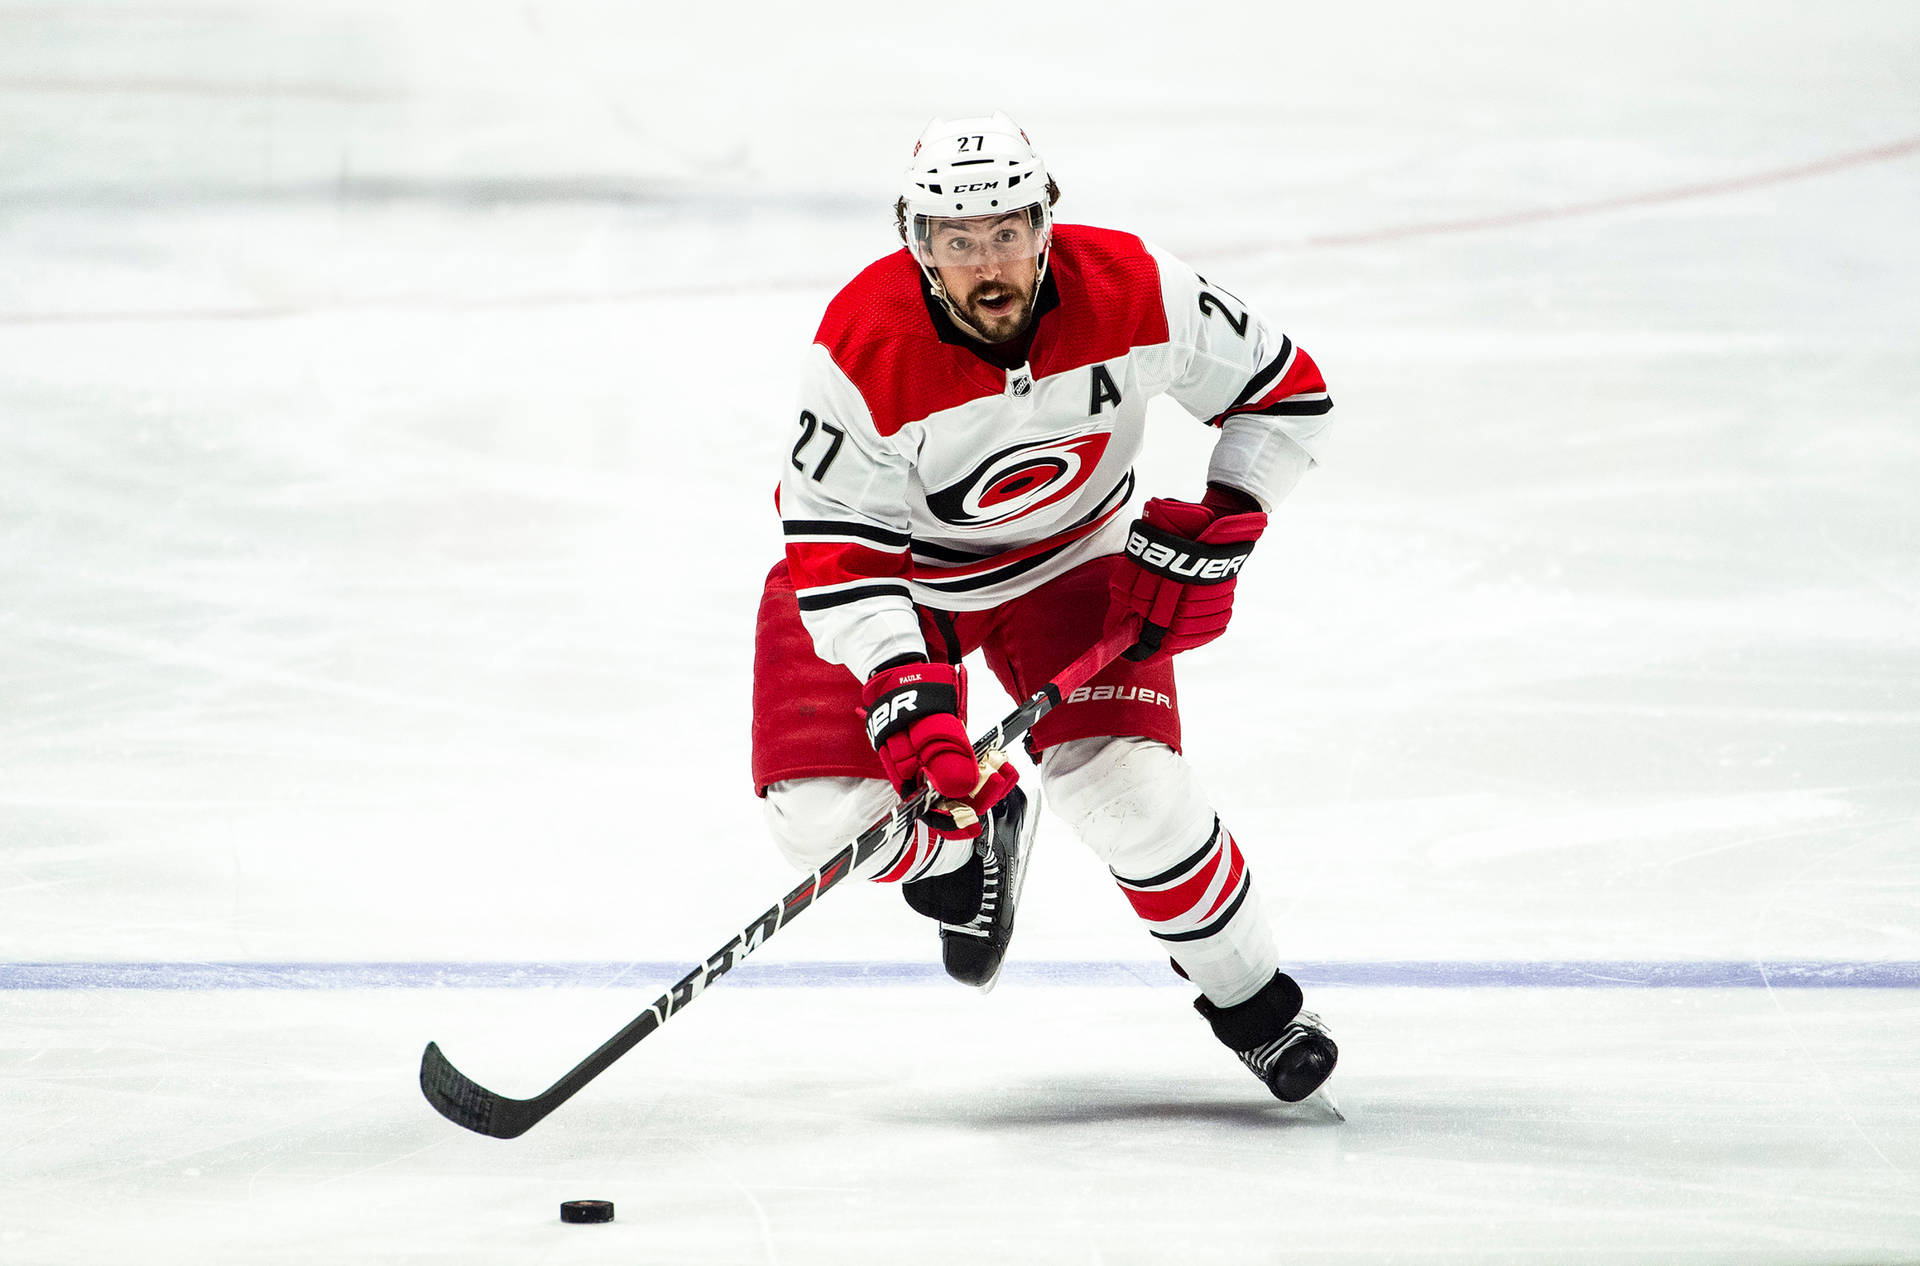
column 925, row 474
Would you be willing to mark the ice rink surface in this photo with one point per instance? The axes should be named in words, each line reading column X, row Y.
column 368, row 372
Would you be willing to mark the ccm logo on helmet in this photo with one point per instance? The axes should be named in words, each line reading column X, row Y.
column 991, row 184
column 1165, row 560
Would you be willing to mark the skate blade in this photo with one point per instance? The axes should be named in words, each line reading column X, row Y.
column 1325, row 1099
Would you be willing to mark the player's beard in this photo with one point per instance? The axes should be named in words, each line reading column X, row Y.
column 998, row 323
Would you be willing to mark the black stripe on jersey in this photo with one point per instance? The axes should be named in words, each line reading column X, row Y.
column 941, row 554
column 1174, row 872
column 994, row 577
column 1260, row 380
column 1291, row 407
column 859, row 593
column 1117, row 497
column 835, row 527
column 1214, row 927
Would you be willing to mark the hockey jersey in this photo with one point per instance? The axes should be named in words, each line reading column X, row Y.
column 925, row 474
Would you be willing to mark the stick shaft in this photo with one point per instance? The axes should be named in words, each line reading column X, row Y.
column 467, row 1103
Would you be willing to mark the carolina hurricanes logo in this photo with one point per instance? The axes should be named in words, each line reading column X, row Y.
column 1019, row 481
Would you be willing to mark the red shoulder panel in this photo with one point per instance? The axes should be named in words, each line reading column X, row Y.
column 878, row 332
column 1110, row 300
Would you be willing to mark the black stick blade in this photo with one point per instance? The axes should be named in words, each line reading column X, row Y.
column 468, row 1104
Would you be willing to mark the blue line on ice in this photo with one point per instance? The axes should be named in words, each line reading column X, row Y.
column 1580, row 974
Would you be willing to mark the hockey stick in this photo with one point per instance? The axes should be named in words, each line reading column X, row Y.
column 466, row 1102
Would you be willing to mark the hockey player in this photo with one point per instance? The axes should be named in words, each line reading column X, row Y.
column 968, row 421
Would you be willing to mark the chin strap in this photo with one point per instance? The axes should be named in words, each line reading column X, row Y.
column 953, row 312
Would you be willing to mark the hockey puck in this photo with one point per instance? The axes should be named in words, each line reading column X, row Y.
column 586, row 1211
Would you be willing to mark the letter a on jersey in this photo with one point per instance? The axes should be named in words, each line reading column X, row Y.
column 1103, row 390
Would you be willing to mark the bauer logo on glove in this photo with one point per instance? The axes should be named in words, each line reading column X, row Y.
column 913, row 722
column 1181, row 559
column 891, row 712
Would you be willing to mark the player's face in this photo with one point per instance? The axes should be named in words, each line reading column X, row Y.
column 989, row 266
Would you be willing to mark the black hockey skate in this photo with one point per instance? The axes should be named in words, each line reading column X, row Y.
column 1286, row 1048
column 975, row 904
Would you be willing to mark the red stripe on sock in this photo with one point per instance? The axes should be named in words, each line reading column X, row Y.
column 908, row 856
column 1163, row 905
column 1237, row 866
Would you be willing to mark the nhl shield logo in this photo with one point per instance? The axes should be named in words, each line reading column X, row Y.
column 1019, row 381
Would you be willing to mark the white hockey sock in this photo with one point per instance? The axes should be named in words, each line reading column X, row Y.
column 1137, row 805
column 1206, row 912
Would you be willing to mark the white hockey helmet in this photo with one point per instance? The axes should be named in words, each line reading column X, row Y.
column 980, row 166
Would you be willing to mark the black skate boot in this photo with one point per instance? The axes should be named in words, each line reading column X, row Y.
column 1283, row 1046
column 975, row 904
column 950, row 898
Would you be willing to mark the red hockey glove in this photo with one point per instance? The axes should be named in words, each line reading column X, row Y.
column 913, row 721
column 959, row 819
column 1185, row 560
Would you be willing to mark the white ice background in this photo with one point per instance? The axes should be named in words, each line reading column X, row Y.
column 390, row 400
